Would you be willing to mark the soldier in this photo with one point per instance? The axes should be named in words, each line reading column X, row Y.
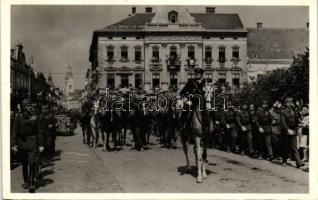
column 27, row 140
column 263, row 121
column 218, row 130
column 276, row 130
column 244, row 123
column 52, row 125
column 289, row 123
column 229, row 122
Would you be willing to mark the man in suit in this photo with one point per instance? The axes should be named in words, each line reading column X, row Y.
column 28, row 141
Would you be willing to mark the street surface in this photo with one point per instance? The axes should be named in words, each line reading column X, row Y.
column 77, row 168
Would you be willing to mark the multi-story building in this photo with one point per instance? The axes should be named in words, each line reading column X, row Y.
column 159, row 50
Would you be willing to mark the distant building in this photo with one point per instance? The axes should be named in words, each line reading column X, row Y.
column 273, row 48
column 72, row 97
column 159, row 50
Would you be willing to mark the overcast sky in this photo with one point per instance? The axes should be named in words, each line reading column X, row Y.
column 58, row 36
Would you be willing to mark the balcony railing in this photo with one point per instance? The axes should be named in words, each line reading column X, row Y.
column 235, row 60
column 124, row 59
column 208, row 60
column 110, row 60
column 155, row 60
column 173, row 61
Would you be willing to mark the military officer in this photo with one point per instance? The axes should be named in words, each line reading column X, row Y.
column 289, row 123
column 27, row 140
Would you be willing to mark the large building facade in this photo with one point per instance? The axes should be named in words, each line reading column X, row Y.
column 160, row 50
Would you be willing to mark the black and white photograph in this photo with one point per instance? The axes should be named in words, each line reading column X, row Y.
column 149, row 98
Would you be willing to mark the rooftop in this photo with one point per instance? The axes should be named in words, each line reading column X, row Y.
column 276, row 43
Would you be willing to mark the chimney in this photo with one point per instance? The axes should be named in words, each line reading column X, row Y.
column 210, row 10
column 259, row 25
column 148, row 9
column 307, row 24
column 133, row 10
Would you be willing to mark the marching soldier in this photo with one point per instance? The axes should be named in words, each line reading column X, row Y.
column 244, row 123
column 218, row 130
column 289, row 122
column 263, row 121
column 27, row 140
column 52, row 125
column 229, row 121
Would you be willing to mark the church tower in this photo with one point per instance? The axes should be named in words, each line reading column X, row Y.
column 69, row 82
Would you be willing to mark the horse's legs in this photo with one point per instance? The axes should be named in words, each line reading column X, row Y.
column 83, row 130
column 93, row 137
column 185, row 151
column 198, row 155
column 204, row 156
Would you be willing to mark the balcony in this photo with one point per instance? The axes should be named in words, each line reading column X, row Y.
column 155, row 60
column 235, row 60
column 173, row 63
column 208, row 60
column 124, row 59
column 138, row 61
column 110, row 60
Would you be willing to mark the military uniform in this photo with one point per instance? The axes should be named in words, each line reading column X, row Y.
column 193, row 90
column 276, row 133
column 27, row 137
column 289, row 122
column 244, row 121
column 263, row 119
column 229, row 123
column 218, row 130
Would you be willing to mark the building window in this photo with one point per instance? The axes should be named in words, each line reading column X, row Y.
column 209, row 77
column 124, row 81
column 110, row 53
column 221, row 54
column 110, row 81
column 156, row 80
column 138, row 81
column 173, row 17
column 70, row 87
column 137, row 53
column 235, row 52
column 124, row 53
column 155, row 54
column 222, row 79
column 191, row 52
column 173, row 81
column 173, row 51
column 236, row 80
column 208, row 55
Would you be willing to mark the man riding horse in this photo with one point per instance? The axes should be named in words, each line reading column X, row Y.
column 192, row 120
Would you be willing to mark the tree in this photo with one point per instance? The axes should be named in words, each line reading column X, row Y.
column 279, row 83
